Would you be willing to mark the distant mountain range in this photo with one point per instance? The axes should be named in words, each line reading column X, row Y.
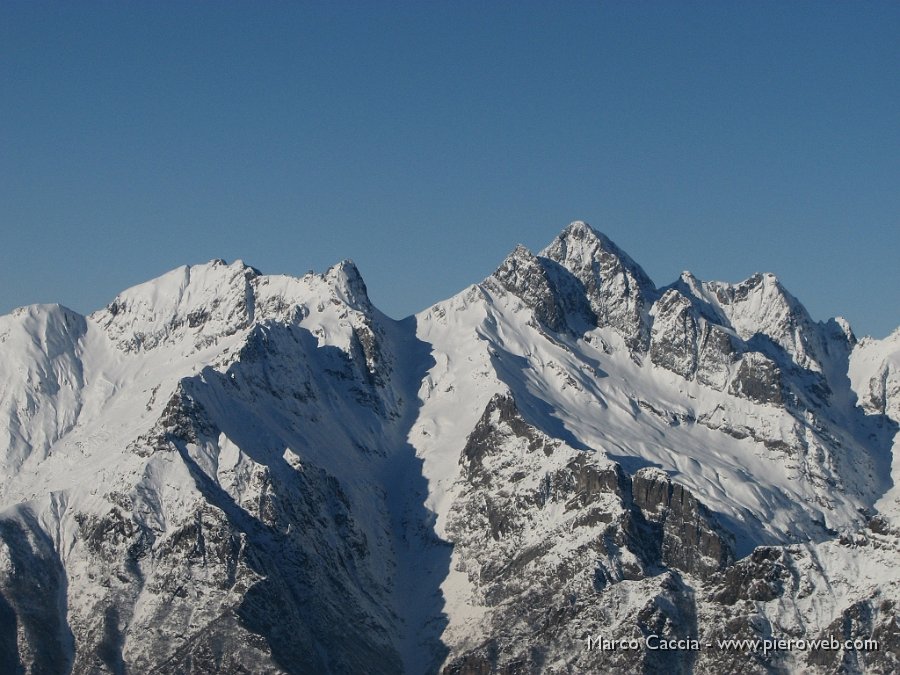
column 557, row 470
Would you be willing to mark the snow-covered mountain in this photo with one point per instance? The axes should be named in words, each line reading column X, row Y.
column 224, row 471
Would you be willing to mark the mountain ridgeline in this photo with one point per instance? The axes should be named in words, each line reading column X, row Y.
column 229, row 472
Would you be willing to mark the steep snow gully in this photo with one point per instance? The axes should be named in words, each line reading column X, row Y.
column 229, row 472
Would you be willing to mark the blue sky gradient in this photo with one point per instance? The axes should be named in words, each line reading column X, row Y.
column 425, row 139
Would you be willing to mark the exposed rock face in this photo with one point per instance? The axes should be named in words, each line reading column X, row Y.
column 684, row 341
column 674, row 341
column 34, row 588
column 883, row 395
column 758, row 378
column 763, row 597
column 619, row 291
column 877, row 375
column 258, row 566
column 231, row 472
column 692, row 540
column 543, row 529
column 717, row 353
column 758, row 578
column 220, row 529
column 551, row 292
column 761, row 306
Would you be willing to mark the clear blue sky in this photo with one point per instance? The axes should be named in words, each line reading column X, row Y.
column 425, row 139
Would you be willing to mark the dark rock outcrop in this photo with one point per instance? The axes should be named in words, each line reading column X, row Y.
column 619, row 291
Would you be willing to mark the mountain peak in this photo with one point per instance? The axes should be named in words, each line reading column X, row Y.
column 762, row 289
column 761, row 305
column 348, row 284
column 46, row 327
column 517, row 267
column 557, row 302
column 578, row 229
column 578, row 232
column 217, row 263
column 579, row 245
column 619, row 291
column 272, row 480
column 520, row 254
column 210, row 299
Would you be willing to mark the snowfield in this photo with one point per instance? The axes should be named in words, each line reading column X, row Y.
column 224, row 471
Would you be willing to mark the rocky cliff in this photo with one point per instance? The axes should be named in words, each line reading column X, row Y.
column 224, row 471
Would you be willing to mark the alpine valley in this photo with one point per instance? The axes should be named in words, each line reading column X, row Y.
column 228, row 472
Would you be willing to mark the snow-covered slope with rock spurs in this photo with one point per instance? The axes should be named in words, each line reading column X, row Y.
column 224, row 471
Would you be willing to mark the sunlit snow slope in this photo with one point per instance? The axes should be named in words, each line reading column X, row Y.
column 224, row 471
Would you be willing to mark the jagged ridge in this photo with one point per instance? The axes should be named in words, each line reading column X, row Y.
column 228, row 471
